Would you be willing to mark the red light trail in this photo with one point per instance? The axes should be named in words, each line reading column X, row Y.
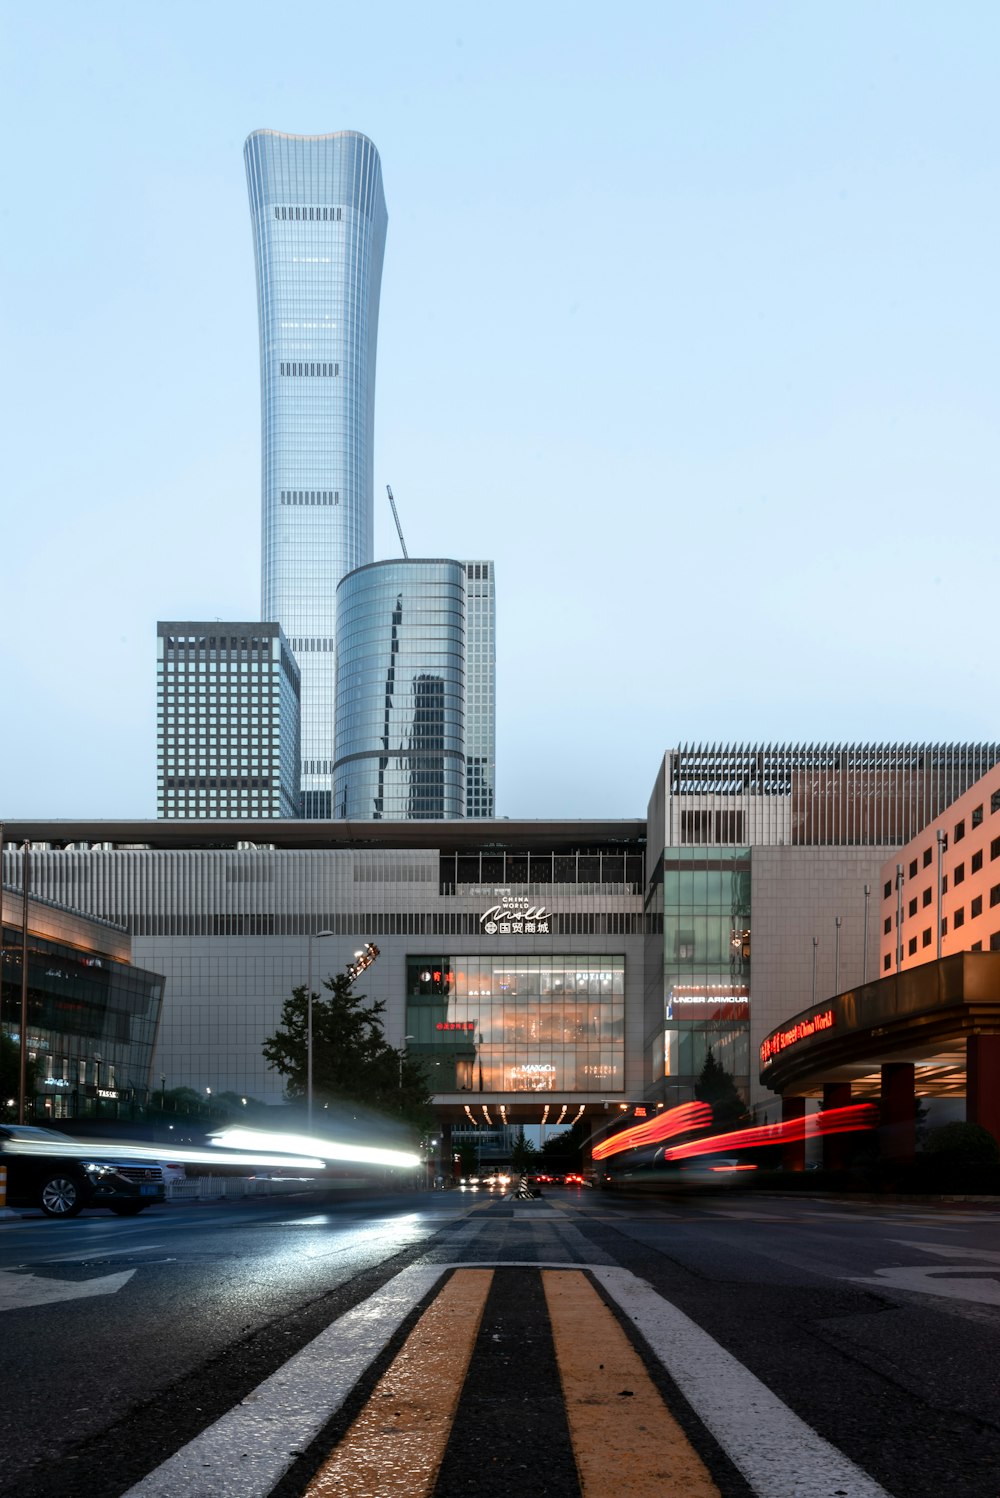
column 664, row 1126
column 830, row 1121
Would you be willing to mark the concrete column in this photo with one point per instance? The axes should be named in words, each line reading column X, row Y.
column 899, row 1112
column 793, row 1156
column 982, row 1063
column 836, row 1095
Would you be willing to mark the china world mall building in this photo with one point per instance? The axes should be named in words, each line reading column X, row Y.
column 539, row 969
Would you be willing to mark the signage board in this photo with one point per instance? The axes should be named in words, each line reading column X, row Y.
column 516, row 916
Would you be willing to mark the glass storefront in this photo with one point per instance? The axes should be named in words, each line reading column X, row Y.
column 518, row 1023
column 92, row 1023
column 706, row 962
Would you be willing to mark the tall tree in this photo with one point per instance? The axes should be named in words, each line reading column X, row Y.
column 10, row 1078
column 523, row 1153
column 565, row 1150
column 716, row 1087
column 352, row 1061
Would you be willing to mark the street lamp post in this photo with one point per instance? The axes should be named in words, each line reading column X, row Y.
column 23, row 1075
column 402, row 1053
column 313, row 936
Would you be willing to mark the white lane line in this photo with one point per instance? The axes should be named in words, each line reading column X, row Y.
column 88, row 1256
column 248, row 1450
column 778, row 1453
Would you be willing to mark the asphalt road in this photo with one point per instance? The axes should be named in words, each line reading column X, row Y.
column 787, row 1348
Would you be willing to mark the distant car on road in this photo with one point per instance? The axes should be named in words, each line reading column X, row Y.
column 63, row 1175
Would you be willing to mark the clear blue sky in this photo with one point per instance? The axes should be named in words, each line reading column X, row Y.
column 689, row 319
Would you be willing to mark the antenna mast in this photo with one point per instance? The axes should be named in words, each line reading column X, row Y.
column 399, row 528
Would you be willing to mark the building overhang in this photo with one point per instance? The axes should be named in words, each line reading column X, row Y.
column 285, row 833
column 923, row 1015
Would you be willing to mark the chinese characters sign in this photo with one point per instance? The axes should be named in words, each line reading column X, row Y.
column 780, row 1040
column 516, row 917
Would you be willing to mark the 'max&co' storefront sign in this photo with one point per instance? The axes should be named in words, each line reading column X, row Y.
column 515, row 916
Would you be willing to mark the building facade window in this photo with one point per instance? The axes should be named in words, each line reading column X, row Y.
column 518, row 1023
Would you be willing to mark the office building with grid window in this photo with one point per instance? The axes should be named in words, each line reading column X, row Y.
column 940, row 894
column 319, row 225
column 480, row 689
column 227, row 721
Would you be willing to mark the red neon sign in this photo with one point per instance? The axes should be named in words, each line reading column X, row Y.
column 782, row 1039
column 456, row 1024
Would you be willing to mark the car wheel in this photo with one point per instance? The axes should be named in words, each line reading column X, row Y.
column 61, row 1196
column 127, row 1209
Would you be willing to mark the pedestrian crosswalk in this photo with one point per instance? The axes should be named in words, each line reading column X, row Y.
column 648, row 1403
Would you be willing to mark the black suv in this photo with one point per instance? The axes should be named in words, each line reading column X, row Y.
column 63, row 1175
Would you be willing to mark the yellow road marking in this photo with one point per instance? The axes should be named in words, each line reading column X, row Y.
column 396, row 1444
column 623, row 1442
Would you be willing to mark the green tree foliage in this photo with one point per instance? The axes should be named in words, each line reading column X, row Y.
column 352, row 1062
column 10, row 1078
column 962, row 1144
column 522, row 1156
column 564, row 1151
column 716, row 1087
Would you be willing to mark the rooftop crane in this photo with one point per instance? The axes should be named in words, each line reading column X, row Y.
column 399, row 528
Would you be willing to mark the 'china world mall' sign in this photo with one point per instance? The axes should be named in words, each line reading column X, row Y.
column 515, row 916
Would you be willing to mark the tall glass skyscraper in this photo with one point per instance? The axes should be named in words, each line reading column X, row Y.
column 400, row 750
column 319, row 222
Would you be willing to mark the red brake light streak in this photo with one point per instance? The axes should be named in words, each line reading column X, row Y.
column 664, row 1126
column 830, row 1121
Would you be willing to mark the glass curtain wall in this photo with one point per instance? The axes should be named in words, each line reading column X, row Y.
column 706, row 964
column 400, row 722
column 319, row 225
column 92, row 1023
column 518, row 1023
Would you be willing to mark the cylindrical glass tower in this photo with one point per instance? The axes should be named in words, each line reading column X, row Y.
column 400, row 723
column 319, row 223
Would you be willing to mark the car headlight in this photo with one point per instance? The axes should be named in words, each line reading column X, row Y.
column 95, row 1170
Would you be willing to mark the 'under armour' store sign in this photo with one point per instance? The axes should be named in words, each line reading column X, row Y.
column 516, row 917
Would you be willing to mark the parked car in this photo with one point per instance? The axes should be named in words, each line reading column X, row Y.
column 172, row 1174
column 63, row 1175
